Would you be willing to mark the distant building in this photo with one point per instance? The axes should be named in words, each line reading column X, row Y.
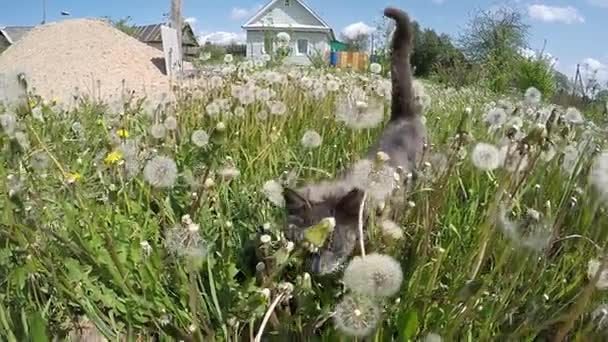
column 11, row 34
column 149, row 34
column 309, row 33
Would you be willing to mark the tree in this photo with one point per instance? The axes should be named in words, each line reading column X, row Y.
column 123, row 25
column 359, row 42
column 491, row 34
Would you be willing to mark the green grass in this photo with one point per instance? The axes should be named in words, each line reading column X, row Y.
column 71, row 250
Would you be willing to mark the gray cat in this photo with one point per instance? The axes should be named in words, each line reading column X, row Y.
column 402, row 140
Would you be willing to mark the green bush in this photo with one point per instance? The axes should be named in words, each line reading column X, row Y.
column 535, row 73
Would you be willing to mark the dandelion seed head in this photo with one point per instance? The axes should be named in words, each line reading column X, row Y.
column 311, row 139
column 228, row 58
column 184, row 242
column 495, row 118
column 532, row 96
column 22, row 140
column 229, row 173
column 378, row 181
column 356, row 316
column 171, row 123
column 273, row 190
column 359, row 114
column 391, row 229
column 158, row 131
column 599, row 316
column 39, row 161
column 375, row 68
column 433, row 337
column 486, row 157
column 593, row 267
column 277, row 108
column 573, row 116
column 375, row 275
column 161, row 172
column 283, row 38
column 8, row 122
column 598, row 176
column 199, row 138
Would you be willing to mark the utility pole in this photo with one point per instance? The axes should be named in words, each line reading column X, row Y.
column 176, row 23
column 43, row 12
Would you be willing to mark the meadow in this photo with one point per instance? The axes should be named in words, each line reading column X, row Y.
column 163, row 219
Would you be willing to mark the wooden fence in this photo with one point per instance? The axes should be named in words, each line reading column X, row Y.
column 357, row 61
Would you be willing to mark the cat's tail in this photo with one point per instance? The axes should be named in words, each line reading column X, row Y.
column 404, row 104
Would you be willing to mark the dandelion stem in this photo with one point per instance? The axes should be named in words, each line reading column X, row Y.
column 580, row 304
column 361, row 238
column 269, row 312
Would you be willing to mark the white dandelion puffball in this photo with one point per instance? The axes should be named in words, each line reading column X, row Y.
column 161, row 172
column 273, row 190
column 532, row 96
column 375, row 275
column 228, row 58
column 158, row 131
column 599, row 175
column 356, row 316
column 486, row 157
column 592, row 268
column 200, row 138
column 358, row 114
column 433, row 337
column 495, row 118
column 277, row 108
column 378, row 181
column 391, row 229
column 171, row 123
column 311, row 139
column 375, row 68
column 573, row 116
column 284, row 38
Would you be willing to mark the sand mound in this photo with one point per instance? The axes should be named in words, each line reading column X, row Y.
column 85, row 57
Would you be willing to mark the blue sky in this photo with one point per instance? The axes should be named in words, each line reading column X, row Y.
column 575, row 29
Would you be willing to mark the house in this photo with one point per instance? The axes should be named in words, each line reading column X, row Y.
column 309, row 33
column 149, row 34
column 10, row 34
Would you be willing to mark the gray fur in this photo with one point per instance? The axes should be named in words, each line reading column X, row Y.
column 403, row 140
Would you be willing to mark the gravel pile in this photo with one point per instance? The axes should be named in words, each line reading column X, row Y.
column 86, row 57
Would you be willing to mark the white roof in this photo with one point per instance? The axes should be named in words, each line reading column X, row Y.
column 249, row 23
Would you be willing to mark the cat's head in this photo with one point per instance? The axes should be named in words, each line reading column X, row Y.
column 303, row 212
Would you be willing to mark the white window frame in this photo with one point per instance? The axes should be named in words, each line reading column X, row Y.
column 298, row 52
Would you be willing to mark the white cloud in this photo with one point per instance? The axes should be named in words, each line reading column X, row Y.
column 600, row 3
column 240, row 13
column 567, row 15
column 532, row 54
column 191, row 20
column 353, row 30
column 223, row 38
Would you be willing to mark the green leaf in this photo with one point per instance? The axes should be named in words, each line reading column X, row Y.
column 38, row 328
column 317, row 234
column 409, row 325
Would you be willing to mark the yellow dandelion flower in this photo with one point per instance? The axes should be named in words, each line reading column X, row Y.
column 123, row 133
column 113, row 157
column 73, row 177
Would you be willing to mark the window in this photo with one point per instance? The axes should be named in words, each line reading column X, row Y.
column 287, row 3
column 302, row 48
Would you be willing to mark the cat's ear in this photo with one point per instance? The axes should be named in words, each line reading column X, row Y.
column 294, row 202
column 350, row 204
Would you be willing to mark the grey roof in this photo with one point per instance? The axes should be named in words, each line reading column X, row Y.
column 145, row 33
column 15, row 33
column 151, row 33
